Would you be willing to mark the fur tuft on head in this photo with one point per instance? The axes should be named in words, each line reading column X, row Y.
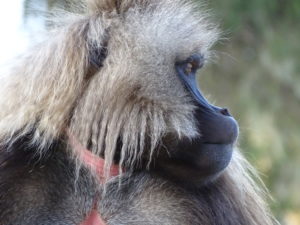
column 119, row 6
column 102, row 5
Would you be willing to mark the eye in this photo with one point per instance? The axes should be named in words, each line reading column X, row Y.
column 192, row 64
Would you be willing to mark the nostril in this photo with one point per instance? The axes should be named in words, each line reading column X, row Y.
column 225, row 112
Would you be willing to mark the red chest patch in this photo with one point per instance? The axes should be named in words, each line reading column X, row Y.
column 93, row 219
column 96, row 164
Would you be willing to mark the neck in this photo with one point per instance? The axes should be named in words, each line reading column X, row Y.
column 94, row 162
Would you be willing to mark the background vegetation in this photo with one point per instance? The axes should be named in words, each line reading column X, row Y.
column 257, row 76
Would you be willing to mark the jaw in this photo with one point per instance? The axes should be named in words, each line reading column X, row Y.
column 194, row 164
column 211, row 159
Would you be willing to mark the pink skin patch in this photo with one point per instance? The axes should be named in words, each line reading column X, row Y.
column 93, row 161
column 96, row 164
column 93, row 219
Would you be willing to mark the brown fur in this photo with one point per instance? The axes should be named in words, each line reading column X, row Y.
column 134, row 97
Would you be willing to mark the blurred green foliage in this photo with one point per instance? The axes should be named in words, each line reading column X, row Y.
column 257, row 75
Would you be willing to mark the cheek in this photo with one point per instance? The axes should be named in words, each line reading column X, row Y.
column 162, row 82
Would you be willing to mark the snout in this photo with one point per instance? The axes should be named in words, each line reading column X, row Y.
column 211, row 152
column 216, row 125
